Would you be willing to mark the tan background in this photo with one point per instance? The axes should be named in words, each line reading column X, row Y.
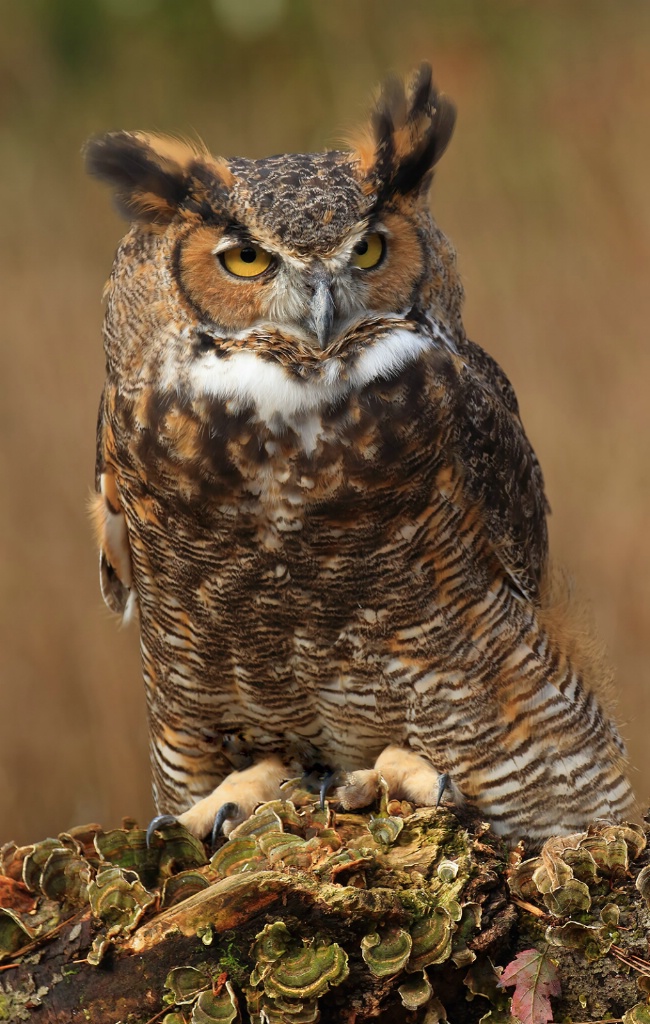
column 545, row 191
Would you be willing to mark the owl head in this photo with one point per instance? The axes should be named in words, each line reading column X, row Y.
column 299, row 256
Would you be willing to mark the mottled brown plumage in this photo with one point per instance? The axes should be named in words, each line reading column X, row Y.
column 320, row 497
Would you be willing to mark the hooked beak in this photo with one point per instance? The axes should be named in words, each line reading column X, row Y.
column 322, row 307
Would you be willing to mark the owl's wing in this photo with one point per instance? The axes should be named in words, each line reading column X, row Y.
column 115, row 570
column 502, row 474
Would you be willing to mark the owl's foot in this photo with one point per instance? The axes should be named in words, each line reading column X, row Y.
column 235, row 799
column 359, row 789
column 227, row 812
column 406, row 774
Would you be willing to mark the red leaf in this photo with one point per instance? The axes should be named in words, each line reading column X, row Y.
column 535, row 978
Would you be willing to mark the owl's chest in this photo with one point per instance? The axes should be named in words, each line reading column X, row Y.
column 267, row 566
column 317, row 516
column 226, row 468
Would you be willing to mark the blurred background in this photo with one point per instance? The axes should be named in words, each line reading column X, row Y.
column 544, row 190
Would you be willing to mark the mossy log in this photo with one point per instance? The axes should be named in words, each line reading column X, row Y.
column 305, row 915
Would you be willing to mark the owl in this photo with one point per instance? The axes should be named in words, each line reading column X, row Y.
column 316, row 495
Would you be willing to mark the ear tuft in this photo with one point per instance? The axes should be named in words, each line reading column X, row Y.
column 149, row 173
column 410, row 130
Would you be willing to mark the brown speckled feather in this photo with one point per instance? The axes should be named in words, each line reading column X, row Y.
column 503, row 475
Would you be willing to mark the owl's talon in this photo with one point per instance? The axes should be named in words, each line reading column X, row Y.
column 444, row 783
column 157, row 824
column 327, row 783
column 226, row 812
column 319, row 780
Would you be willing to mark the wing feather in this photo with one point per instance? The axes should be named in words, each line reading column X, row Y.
column 502, row 473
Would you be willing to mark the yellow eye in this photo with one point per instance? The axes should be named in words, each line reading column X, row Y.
column 368, row 252
column 246, row 260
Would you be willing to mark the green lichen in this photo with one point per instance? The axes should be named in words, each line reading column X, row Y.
column 15, row 1004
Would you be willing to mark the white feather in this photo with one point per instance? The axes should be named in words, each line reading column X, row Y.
column 388, row 355
column 245, row 378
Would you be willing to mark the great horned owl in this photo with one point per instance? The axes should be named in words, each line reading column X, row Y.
column 318, row 495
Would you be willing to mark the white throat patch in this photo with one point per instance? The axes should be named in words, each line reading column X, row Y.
column 244, row 378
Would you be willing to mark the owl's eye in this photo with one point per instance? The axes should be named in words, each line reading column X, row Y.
column 246, row 260
column 368, row 252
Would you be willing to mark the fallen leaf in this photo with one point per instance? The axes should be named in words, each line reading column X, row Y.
column 535, row 978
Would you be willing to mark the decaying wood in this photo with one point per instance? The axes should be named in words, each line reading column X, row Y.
column 305, row 915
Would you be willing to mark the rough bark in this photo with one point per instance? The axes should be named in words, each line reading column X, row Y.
column 305, row 915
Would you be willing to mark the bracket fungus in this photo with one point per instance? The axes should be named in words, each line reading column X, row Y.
column 304, row 915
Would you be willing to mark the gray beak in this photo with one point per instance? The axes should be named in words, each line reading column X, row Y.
column 322, row 307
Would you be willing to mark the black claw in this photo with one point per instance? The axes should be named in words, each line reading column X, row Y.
column 327, row 782
column 157, row 823
column 444, row 782
column 225, row 812
column 319, row 780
